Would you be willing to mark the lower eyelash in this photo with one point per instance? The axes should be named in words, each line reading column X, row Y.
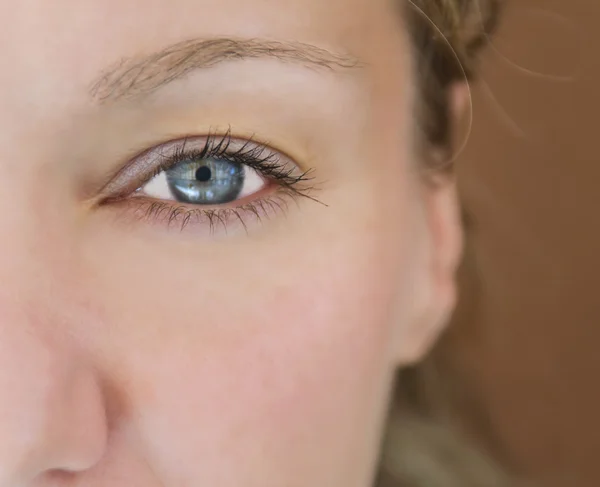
column 173, row 214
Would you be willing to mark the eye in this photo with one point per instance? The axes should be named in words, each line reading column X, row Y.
column 205, row 181
column 208, row 180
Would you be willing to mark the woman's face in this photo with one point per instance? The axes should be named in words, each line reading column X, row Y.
column 214, row 253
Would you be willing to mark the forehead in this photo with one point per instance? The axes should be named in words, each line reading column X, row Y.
column 51, row 42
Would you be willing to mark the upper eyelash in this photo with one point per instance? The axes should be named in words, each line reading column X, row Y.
column 255, row 156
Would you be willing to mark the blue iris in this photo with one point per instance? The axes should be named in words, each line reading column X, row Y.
column 206, row 181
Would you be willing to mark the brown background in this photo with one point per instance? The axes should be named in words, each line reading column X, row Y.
column 529, row 321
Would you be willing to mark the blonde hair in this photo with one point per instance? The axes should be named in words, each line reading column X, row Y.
column 447, row 37
column 424, row 446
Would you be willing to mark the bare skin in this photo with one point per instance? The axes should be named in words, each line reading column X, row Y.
column 253, row 349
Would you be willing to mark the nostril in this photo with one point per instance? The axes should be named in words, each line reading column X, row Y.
column 57, row 477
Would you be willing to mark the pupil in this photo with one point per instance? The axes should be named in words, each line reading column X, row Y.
column 203, row 174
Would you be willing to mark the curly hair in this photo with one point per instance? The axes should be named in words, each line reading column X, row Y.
column 423, row 447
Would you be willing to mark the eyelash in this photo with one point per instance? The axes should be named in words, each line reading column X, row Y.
column 268, row 165
column 292, row 185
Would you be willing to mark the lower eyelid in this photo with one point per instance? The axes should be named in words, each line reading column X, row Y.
column 203, row 220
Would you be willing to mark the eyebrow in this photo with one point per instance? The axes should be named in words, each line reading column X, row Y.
column 138, row 76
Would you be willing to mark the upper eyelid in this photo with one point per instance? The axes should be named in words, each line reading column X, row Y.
column 145, row 162
column 125, row 171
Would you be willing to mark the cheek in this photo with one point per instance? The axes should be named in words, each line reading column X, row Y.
column 276, row 360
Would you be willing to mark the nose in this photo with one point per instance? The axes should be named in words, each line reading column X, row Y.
column 52, row 417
